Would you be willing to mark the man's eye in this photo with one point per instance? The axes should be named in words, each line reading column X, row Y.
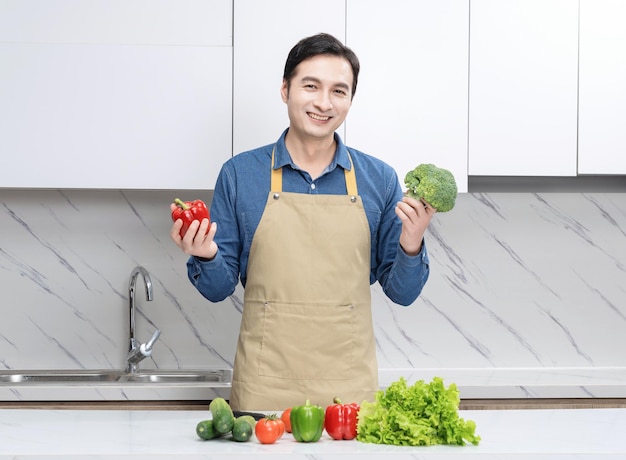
column 341, row 92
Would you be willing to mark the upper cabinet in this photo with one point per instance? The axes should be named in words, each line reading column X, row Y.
column 264, row 33
column 523, row 77
column 411, row 102
column 602, row 93
column 139, row 22
column 158, row 94
column 115, row 93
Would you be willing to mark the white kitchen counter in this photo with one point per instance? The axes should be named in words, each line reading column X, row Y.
column 98, row 434
column 495, row 383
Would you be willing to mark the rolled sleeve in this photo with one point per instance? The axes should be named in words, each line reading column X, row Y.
column 210, row 277
column 407, row 277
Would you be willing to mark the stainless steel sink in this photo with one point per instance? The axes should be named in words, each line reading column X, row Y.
column 58, row 377
column 175, row 377
column 79, row 377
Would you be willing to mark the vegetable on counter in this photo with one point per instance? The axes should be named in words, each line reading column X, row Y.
column 423, row 414
column 188, row 211
column 223, row 421
column 222, row 414
column 436, row 186
column 340, row 420
column 307, row 422
column 286, row 418
column 270, row 429
column 205, row 430
column 243, row 428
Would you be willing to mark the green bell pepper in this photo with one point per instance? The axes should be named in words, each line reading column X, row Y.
column 307, row 422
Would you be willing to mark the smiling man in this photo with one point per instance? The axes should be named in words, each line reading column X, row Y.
column 307, row 224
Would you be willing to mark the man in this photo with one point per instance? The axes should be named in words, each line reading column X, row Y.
column 308, row 224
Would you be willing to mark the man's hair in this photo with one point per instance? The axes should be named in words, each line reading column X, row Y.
column 316, row 45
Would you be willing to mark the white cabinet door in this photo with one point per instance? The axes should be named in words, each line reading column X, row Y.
column 602, row 91
column 523, row 87
column 264, row 32
column 147, row 22
column 105, row 116
column 115, row 94
column 411, row 102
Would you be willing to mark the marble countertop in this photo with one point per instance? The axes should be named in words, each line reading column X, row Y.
column 97, row 434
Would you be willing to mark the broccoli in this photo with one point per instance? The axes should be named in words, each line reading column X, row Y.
column 436, row 186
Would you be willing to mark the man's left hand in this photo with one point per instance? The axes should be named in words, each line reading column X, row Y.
column 415, row 216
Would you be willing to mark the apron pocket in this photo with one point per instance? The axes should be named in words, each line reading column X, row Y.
column 313, row 341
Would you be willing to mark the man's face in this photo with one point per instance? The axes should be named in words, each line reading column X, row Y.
column 319, row 96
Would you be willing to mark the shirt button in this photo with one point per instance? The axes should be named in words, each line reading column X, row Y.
column 312, row 186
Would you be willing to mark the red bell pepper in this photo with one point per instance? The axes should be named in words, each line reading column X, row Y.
column 188, row 211
column 340, row 420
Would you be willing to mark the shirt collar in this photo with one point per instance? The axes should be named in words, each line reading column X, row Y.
column 282, row 157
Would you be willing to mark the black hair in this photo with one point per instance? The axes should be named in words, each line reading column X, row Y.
column 316, row 45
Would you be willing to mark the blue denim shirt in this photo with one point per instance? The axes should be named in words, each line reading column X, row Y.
column 239, row 201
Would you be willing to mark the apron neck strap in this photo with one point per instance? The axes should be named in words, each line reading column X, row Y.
column 350, row 178
column 277, row 178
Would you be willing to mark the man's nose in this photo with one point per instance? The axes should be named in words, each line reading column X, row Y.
column 323, row 101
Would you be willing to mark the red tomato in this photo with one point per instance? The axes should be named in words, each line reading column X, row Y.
column 285, row 417
column 268, row 430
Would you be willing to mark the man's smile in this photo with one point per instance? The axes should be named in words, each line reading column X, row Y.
column 318, row 117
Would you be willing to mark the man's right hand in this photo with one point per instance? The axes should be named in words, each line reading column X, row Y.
column 198, row 241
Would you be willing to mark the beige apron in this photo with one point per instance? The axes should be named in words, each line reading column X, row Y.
column 306, row 330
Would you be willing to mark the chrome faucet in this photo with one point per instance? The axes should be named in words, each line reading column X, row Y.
column 138, row 353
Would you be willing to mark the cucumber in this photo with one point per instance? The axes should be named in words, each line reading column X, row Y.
column 222, row 415
column 243, row 428
column 205, row 430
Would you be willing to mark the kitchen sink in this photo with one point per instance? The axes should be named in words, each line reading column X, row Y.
column 174, row 377
column 57, row 377
column 79, row 377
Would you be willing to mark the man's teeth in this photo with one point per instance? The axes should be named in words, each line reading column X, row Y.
column 317, row 117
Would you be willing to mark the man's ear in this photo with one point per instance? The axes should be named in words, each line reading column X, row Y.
column 284, row 91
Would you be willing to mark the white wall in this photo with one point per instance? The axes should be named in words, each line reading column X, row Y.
column 524, row 283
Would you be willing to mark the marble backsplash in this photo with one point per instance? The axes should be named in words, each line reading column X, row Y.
column 521, row 283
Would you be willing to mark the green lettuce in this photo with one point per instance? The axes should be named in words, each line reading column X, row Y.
column 423, row 414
